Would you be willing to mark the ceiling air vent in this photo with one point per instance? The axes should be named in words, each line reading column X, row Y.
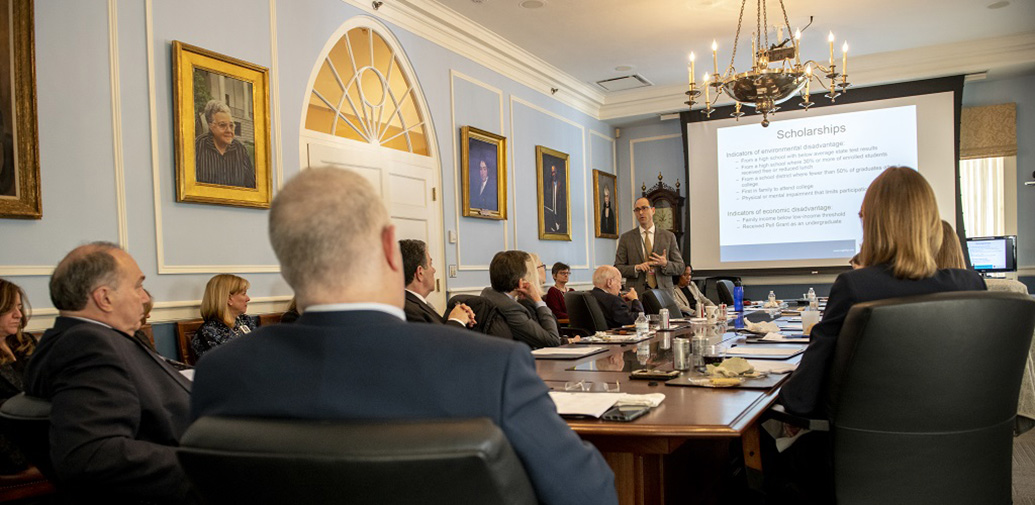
column 624, row 83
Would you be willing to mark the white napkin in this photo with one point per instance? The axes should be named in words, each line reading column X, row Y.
column 763, row 327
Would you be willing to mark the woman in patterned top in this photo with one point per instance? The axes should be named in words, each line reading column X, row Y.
column 223, row 309
column 15, row 348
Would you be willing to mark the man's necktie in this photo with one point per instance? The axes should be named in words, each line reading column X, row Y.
column 652, row 279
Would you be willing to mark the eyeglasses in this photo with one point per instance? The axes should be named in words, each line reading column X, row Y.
column 541, row 265
column 564, row 272
column 224, row 125
column 641, row 209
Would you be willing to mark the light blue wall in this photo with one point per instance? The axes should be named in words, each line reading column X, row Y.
column 643, row 152
column 1016, row 90
column 78, row 146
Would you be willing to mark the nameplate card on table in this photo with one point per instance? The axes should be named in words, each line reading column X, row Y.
column 765, row 352
column 566, row 352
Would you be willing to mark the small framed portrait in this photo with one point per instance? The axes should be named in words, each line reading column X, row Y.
column 554, row 207
column 483, row 170
column 222, row 126
column 605, row 205
column 19, row 151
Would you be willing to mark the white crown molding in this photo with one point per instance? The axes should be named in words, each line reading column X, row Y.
column 872, row 69
column 166, row 312
column 445, row 27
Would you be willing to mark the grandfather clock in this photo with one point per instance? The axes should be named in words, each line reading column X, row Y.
column 668, row 206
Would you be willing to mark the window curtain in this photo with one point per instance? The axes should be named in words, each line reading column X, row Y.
column 988, row 132
column 984, row 204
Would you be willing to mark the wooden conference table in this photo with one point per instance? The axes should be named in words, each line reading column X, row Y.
column 678, row 452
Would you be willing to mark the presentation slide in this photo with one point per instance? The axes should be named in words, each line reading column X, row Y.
column 788, row 195
column 795, row 194
column 987, row 254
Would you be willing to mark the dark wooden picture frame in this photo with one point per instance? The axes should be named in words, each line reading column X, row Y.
column 484, row 192
column 605, row 186
column 552, row 192
column 239, row 173
column 20, row 195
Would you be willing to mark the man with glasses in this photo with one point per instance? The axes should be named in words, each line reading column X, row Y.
column 219, row 158
column 648, row 256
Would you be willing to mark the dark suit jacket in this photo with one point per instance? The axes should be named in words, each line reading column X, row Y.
column 374, row 366
column 630, row 253
column 802, row 393
column 616, row 311
column 419, row 312
column 118, row 412
column 537, row 328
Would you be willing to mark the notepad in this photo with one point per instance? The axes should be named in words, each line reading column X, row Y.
column 566, row 352
column 583, row 404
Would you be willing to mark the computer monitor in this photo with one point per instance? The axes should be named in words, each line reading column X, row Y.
column 993, row 254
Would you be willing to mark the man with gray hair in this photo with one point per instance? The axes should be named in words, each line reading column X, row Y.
column 118, row 409
column 351, row 354
column 619, row 309
column 219, row 158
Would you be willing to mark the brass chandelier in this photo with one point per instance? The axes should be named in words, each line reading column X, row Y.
column 776, row 74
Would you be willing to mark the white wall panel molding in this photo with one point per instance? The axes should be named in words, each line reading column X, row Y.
column 453, row 75
column 445, row 27
column 585, row 157
column 278, row 141
column 25, row 270
column 477, row 290
column 116, row 123
column 589, row 182
column 156, row 174
column 868, row 70
column 164, row 312
column 632, row 161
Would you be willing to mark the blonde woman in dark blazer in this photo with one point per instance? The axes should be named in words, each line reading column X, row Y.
column 223, row 309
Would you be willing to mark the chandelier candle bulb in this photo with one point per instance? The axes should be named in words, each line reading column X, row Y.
column 691, row 69
column 707, row 99
column 797, row 45
column 808, row 80
column 831, row 40
column 844, row 59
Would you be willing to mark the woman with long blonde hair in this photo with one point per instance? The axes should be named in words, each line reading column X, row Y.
column 902, row 233
column 223, row 308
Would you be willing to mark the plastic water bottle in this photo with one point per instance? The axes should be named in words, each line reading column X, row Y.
column 738, row 298
column 813, row 301
column 772, row 298
column 642, row 328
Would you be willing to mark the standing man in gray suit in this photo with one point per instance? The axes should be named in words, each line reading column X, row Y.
column 647, row 256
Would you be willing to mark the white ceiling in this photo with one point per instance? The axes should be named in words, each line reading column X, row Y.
column 588, row 39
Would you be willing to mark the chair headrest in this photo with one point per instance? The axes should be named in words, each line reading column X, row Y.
column 27, row 408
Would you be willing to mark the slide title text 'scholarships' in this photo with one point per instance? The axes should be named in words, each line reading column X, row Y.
column 809, row 132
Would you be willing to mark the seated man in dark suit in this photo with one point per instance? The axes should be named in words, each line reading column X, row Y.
column 619, row 310
column 373, row 365
column 533, row 324
column 118, row 408
column 419, row 276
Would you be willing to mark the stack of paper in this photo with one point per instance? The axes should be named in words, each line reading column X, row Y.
column 772, row 366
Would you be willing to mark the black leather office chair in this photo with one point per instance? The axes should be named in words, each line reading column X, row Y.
column 584, row 312
column 656, row 299
column 922, row 394
column 26, row 420
column 467, row 461
column 725, row 290
column 488, row 319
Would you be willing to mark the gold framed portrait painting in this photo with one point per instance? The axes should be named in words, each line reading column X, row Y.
column 483, row 170
column 552, row 194
column 222, row 129
column 19, row 139
column 605, row 204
